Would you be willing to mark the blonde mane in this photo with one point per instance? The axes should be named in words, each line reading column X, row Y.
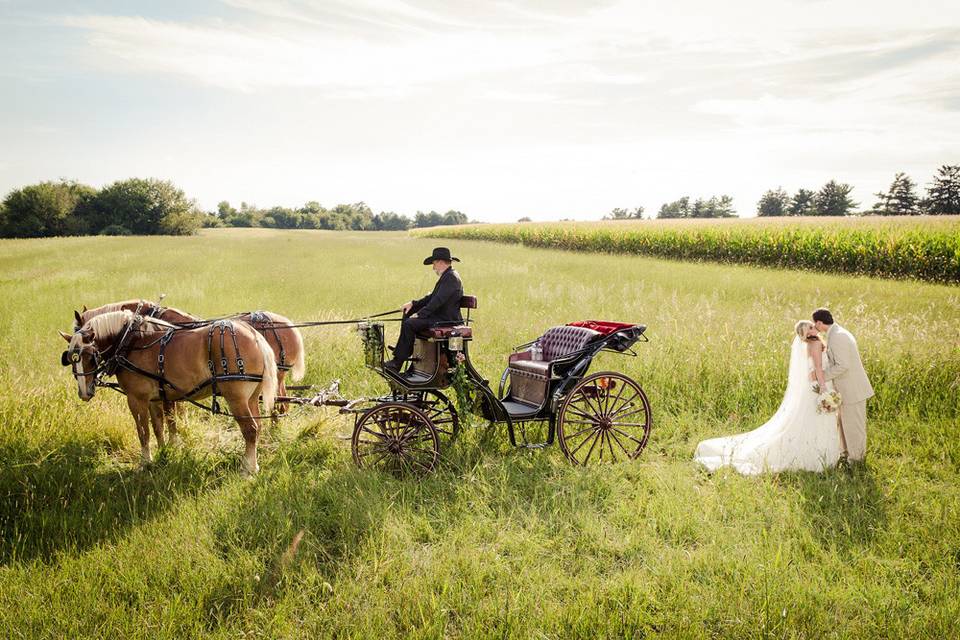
column 109, row 325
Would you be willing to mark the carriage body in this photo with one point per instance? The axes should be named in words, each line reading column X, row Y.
column 545, row 384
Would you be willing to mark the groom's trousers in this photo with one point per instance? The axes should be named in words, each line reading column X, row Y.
column 854, row 418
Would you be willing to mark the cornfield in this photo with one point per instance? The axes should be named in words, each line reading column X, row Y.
column 918, row 248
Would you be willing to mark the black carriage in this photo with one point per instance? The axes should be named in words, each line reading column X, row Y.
column 596, row 417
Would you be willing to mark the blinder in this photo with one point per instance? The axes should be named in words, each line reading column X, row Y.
column 65, row 358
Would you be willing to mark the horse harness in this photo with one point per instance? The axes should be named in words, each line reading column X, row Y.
column 106, row 366
column 262, row 322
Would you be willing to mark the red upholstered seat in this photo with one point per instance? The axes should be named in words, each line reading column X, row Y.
column 443, row 332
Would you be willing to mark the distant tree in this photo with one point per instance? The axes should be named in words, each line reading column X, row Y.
column 833, row 199
column 525, row 219
column 45, row 209
column 431, row 219
column 390, row 221
column 625, row 214
column 247, row 216
column 145, row 206
column 773, row 203
column 715, row 207
column 676, row 209
column 452, row 217
column 803, row 203
column 943, row 195
column 900, row 199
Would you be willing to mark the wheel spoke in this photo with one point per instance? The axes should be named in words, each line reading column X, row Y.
column 624, row 433
column 580, row 446
column 627, row 404
column 629, row 424
column 590, row 404
column 573, row 409
column 613, row 434
column 613, row 456
column 597, row 437
column 636, row 410
column 382, row 436
column 613, row 403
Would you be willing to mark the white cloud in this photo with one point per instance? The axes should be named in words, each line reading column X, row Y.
column 529, row 106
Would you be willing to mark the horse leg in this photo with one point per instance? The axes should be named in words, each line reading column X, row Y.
column 281, row 407
column 156, row 418
column 141, row 416
column 245, row 412
column 170, row 410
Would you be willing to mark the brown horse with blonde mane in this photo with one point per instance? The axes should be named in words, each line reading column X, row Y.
column 286, row 341
column 130, row 346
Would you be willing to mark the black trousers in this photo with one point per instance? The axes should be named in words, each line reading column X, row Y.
column 408, row 333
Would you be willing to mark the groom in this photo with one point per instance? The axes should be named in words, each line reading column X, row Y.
column 849, row 378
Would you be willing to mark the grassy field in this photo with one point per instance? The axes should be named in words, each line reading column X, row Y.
column 499, row 543
column 923, row 248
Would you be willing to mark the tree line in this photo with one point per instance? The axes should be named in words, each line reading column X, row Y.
column 833, row 199
column 148, row 206
column 900, row 199
column 357, row 217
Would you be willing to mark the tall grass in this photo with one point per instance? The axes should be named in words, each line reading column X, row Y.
column 499, row 542
column 924, row 249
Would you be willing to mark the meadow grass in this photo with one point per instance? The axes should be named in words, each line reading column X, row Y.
column 499, row 542
column 923, row 247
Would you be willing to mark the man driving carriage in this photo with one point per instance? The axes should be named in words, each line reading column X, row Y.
column 441, row 306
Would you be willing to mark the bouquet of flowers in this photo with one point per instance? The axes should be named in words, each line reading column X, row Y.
column 828, row 401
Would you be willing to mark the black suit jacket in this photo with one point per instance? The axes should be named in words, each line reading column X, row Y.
column 443, row 303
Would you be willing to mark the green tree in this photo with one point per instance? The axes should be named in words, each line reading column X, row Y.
column 676, row 209
column 900, row 199
column 715, row 207
column 803, row 203
column 144, row 206
column 625, row 214
column 773, row 203
column 943, row 195
column 390, row 221
column 834, row 200
column 45, row 209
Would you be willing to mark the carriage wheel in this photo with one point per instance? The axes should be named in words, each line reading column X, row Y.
column 396, row 437
column 606, row 417
column 441, row 413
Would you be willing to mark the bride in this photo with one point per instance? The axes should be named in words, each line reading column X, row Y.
column 797, row 436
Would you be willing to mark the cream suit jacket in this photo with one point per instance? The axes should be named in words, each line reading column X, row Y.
column 845, row 367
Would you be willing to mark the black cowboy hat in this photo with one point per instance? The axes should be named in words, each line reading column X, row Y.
column 440, row 253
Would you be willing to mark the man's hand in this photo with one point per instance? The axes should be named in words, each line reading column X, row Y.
column 406, row 308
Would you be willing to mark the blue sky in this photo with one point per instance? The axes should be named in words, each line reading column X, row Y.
column 544, row 108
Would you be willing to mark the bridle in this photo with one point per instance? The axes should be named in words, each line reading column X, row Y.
column 103, row 364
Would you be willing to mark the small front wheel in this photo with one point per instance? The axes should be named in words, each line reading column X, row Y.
column 396, row 437
column 605, row 417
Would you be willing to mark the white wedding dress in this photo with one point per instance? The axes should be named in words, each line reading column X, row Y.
column 796, row 437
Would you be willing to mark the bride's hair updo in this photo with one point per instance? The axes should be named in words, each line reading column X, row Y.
column 801, row 329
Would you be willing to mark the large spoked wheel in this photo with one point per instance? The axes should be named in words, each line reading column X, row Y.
column 606, row 417
column 441, row 412
column 396, row 437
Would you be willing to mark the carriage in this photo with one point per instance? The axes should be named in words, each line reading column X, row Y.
column 595, row 417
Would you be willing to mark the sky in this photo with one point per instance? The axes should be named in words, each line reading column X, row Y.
column 549, row 109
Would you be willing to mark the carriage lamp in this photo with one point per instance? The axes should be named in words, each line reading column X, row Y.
column 455, row 343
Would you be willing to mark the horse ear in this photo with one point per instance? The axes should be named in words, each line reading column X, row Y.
column 65, row 336
column 76, row 314
column 84, row 308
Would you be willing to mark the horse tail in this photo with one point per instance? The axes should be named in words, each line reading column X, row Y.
column 299, row 367
column 268, row 387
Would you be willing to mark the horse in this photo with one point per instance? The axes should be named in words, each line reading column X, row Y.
column 285, row 341
column 155, row 361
